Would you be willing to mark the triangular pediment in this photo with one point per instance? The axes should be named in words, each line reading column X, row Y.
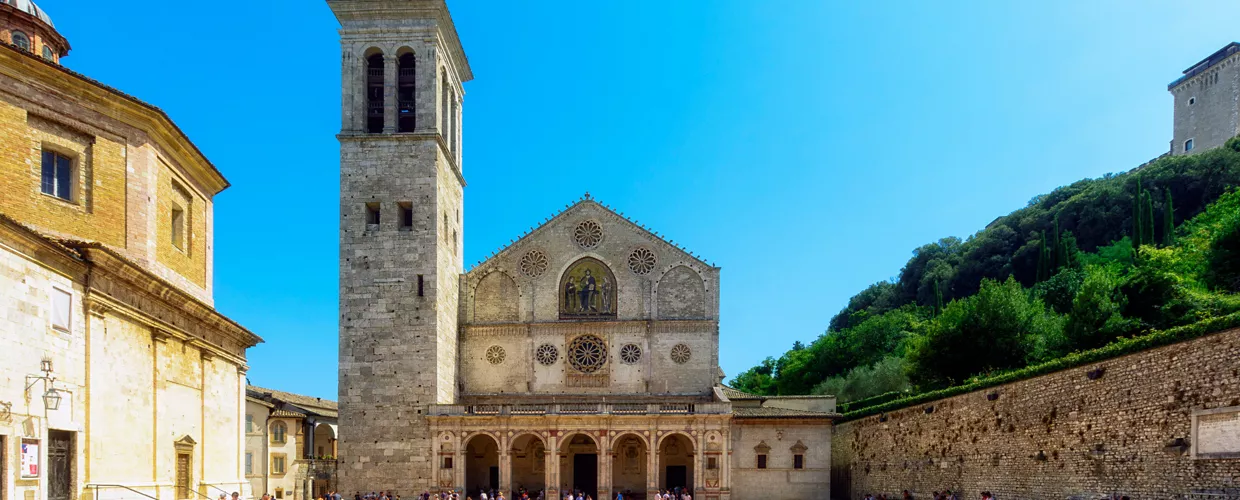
column 575, row 220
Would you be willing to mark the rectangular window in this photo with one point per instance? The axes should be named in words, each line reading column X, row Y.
column 249, row 423
column 279, row 493
column 57, row 175
column 277, row 464
column 447, row 462
column 62, row 308
column 406, row 215
column 712, row 463
column 372, row 215
column 420, row 282
column 249, row 463
column 178, row 227
column 761, row 461
column 798, row 461
column 1188, row 145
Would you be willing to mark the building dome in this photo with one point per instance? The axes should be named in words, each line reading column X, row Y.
column 30, row 8
column 26, row 26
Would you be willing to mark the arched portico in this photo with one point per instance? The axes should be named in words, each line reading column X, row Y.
column 629, row 468
column 676, row 465
column 481, row 464
column 579, row 464
column 528, row 461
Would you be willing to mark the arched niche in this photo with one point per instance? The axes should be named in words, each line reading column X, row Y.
column 682, row 295
column 496, row 299
column 587, row 290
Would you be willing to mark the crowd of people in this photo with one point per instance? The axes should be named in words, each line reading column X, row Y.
column 948, row 494
column 519, row 494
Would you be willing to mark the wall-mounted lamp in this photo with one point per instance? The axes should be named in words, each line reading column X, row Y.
column 51, row 397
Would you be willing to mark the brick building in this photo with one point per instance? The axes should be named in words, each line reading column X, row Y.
column 583, row 356
column 120, row 379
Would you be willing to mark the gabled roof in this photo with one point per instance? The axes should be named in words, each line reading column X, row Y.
column 293, row 405
column 585, row 201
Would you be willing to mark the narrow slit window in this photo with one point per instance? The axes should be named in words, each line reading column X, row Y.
column 406, row 215
column 761, row 461
column 178, row 227
column 420, row 287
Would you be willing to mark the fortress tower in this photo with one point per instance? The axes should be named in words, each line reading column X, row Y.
column 400, row 235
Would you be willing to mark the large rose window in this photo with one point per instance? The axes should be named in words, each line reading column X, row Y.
column 587, row 353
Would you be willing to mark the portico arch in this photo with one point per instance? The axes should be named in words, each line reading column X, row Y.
column 628, row 466
column 676, row 462
column 528, row 456
column 579, row 464
column 481, row 464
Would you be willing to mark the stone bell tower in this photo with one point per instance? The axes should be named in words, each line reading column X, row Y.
column 401, row 192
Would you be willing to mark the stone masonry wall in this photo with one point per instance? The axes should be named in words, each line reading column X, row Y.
column 1214, row 113
column 1060, row 435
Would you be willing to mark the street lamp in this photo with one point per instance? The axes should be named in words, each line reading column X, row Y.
column 51, row 396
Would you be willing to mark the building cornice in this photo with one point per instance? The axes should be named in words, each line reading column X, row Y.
column 81, row 90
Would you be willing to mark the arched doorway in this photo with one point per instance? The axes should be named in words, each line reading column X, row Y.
column 579, row 465
column 529, row 459
column 481, row 465
column 628, row 466
column 322, row 468
column 676, row 463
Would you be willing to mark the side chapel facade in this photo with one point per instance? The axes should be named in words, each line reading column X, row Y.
column 584, row 356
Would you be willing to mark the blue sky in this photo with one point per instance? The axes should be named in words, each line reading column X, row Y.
column 806, row 147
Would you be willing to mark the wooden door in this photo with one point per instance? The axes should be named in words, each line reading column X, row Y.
column 59, row 465
column 182, row 480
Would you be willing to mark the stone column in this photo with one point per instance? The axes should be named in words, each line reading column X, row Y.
column 505, row 467
column 458, row 466
column 551, row 464
column 389, row 93
column 604, row 469
column 350, row 74
column 698, row 467
column 460, row 113
column 652, row 466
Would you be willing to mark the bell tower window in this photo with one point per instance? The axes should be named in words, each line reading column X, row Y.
column 374, row 94
column 405, row 92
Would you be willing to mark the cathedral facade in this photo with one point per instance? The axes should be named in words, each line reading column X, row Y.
column 584, row 356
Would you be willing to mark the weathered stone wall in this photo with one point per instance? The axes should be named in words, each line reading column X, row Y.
column 399, row 284
column 781, row 439
column 1207, row 107
column 1060, row 435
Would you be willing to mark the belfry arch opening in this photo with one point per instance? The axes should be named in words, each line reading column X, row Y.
column 481, row 465
column 374, row 92
column 628, row 467
column 406, row 92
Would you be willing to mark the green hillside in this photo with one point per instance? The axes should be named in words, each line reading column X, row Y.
column 1076, row 269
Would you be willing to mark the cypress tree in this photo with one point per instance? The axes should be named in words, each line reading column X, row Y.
column 938, row 299
column 1061, row 252
column 1136, row 216
column 1148, row 219
column 1168, row 215
column 1042, row 259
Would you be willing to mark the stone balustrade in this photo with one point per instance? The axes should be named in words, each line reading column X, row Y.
column 581, row 409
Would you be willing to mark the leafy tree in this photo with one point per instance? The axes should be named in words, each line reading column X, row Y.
column 1224, row 257
column 993, row 330
column 1060, row 290
column 886, row 375
column 757, row 380
column 1094, row 319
